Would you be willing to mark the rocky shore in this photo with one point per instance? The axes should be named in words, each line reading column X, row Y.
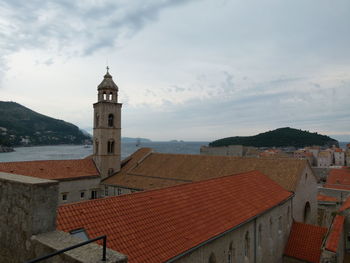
column 4, row 149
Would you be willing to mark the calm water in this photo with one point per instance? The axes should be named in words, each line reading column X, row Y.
column 79, row 151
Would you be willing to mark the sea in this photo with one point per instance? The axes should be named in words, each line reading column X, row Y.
column 66, row 152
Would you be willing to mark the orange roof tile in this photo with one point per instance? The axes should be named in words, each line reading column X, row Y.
column 327, row 198
column 52, row 169
column 338, row 178
column 157, row 225
column 305, row 242
column 335, row 233
column 149, row 170
column 345, row 205
column 338, row 150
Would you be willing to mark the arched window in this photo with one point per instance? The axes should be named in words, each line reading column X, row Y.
column 110, row 120
column 110, row 146
column 212, row 258
column 307, row 211
column 246, row 244
column 104, row 96
column 280, row 225
column 271, row 228
column 96, row 147
column 110, row 96
column 230, row 253
column 97, row 119
column 259, row 235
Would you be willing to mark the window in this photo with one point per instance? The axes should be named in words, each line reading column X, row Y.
column 64, row 196
column 246, row 244
column 110, row 171
column 271, row 228
column 96, row 147
column 81, row 233
column 110, row 120
column 119, row 191
column 82, row 194
column 212, row 258
column 307, row 211
column 110, row 96
column 259, row 235
column 280, row 225
column 230, row 254
column 97, row 119
column 93, row 194
column 110, row 146
column 104, row 96
column 106, row 190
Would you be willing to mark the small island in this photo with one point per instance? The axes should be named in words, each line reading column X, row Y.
column 282, row 137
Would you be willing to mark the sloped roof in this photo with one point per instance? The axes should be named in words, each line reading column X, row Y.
column 335, row 234
column 305, row 242
column 157, row 225
column 326, row 198
column 52, row 169
column 339, row 179
column 345, row 205
column 150, row 170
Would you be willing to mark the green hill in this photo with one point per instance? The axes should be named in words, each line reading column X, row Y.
column 22, row 126
column 282, row 137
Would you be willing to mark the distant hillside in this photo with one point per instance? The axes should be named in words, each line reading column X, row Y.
column 22, row 126
column 282, row 137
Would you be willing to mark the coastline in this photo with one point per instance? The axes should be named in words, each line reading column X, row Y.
column 6, row 149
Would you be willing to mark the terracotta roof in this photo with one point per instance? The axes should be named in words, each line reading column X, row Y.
column 339, row 179
column 345, row 205
column 305, row 242
column 326, row 198
column 338, row 150
column 52, row 169
column 157, row 225
column 335, row 234
column 149, row 170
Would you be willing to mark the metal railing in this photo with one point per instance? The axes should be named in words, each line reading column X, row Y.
column 73, row 247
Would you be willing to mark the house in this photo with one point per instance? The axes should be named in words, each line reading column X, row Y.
column 315, row 244
column 246, row 218
column 339, row 157
column 78, row 179
column 147, row 170
column 325, row 158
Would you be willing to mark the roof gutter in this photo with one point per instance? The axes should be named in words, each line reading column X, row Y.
column 227, row 231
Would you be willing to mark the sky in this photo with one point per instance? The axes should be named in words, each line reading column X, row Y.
column 195, row 70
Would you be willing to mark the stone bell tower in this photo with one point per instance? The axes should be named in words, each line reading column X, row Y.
column 107, row 127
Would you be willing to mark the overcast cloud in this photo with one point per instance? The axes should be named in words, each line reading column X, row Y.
column 192, row 70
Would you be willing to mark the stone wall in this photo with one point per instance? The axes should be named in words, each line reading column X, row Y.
column 267, row 237
column 28, row 207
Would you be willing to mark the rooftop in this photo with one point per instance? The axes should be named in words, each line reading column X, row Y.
column 338, row 179
column 335, row 233
column 52, row 169
column 173, row 220
column 305, row 242
column 326, row 198
column 149, row 170
column 345, row 205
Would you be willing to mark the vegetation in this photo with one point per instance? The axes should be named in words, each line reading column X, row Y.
column 282, row 137
column 22, row 126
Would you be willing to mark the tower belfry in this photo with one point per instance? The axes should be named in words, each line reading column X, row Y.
column 107, row 127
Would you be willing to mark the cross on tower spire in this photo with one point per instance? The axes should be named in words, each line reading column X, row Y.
column 107, row 69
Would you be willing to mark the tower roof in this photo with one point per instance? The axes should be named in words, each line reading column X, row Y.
column 107, row 82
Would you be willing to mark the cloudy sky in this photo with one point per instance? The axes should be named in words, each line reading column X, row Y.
column 186, row 69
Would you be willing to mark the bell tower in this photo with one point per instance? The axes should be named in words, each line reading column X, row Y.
column 107, row 127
